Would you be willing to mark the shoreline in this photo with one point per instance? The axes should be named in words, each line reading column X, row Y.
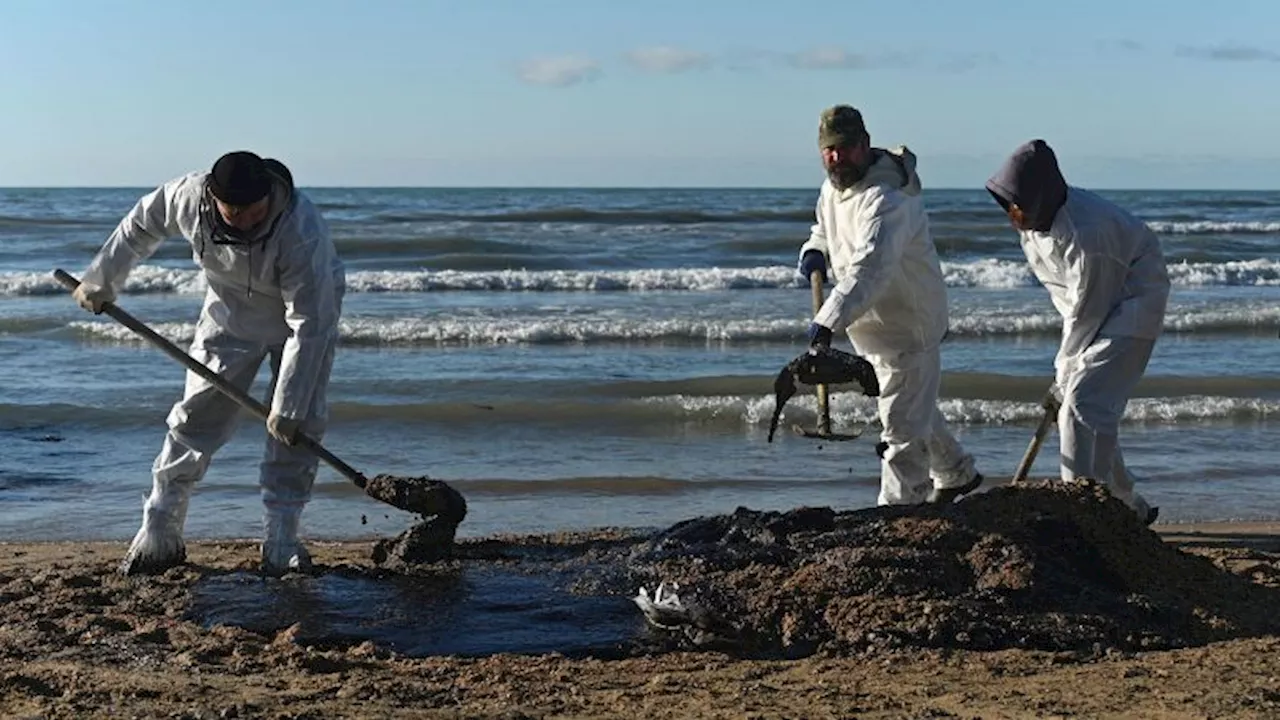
column 1224, row 531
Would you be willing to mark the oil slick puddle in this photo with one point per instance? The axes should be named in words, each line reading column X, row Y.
column 480, row 611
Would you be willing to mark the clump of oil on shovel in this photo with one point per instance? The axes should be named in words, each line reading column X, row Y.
column 441, row 508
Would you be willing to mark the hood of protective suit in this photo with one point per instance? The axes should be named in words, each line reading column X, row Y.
column 1030, row 179
column 281, row 201
column 895, row 168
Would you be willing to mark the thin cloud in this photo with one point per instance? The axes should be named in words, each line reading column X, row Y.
column 559, row 70
column 1228, row 53
column 836, row 58
column 1121, row 45
column 830, row 58
column 667, row 59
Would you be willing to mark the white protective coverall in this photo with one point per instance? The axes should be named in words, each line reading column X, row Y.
column 278, row 298
column 890, row 295
column 1106, row 276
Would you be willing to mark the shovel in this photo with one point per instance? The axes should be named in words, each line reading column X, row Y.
column 821, row 366
column 823, row 431
column 416, row 495
column 1050, row 405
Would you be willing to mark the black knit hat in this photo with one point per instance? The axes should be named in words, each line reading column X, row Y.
column 239, row 178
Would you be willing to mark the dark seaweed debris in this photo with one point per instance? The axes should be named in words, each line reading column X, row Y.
column 1053, row 566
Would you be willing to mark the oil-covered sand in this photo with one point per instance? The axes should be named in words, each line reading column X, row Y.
column 1037, row 601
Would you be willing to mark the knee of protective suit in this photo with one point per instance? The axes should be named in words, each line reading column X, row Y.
column 915, row 446
column 203, row 426
column 1099, row 412
column 911, row 455
column 905, row 433
column 905, row 422
column 179, row 462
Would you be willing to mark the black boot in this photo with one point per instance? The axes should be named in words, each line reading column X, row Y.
column 949, row 495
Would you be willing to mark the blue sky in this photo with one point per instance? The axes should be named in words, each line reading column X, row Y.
column 643, row 93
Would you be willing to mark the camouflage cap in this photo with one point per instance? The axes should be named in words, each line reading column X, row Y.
column 840, row 125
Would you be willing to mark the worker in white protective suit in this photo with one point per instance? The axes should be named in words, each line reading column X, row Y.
column 1106, row 275
column 275, row 288
column 890, row 296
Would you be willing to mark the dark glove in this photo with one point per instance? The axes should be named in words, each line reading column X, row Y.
column 813, row 260
column 283, row 429
column 1053, row 399
column 819, row 335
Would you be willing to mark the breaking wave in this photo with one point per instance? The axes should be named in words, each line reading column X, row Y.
column 986, row 273
column 445, row 329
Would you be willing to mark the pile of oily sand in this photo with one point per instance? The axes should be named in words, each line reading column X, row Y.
column 1048, row 566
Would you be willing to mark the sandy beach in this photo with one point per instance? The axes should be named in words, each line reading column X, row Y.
column 78, row 640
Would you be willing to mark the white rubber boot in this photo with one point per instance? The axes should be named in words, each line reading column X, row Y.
column 282, row 551
column 158, row 545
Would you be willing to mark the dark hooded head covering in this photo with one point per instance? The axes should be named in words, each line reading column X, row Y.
column 239, row 178
column 1030, row 179
column 279, row 169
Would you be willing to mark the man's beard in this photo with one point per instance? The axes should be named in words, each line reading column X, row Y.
column 846, row 175
column 225, row 233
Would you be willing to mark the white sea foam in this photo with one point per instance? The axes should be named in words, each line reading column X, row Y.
column 986, row 273
column 851, row 410
column 506, row 329
column 1208, row 227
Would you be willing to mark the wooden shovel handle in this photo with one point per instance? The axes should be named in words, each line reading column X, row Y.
column 1050, row 405
column 824, row 402
column 241, row 398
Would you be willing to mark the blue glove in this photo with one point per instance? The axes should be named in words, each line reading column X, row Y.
column 813, row 260
column 819, row 336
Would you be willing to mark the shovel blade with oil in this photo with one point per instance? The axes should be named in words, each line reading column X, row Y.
column 822, row 367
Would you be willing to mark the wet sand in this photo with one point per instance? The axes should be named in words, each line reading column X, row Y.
column 77, row 640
